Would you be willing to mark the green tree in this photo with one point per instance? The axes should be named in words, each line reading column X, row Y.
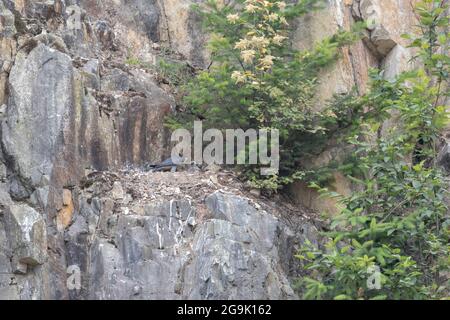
column 398, row 221
column 257, row 80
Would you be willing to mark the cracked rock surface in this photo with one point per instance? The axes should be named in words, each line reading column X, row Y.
column 163, row 239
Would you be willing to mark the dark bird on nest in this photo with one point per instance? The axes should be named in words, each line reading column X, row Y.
column 170, row 164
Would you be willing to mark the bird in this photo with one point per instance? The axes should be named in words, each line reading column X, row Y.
column 170, row 164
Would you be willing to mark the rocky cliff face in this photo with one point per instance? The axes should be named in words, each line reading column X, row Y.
column 79, row 118
column 161, row 236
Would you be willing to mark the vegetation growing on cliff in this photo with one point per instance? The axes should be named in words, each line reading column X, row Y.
column 392, row 239
column 256, row 80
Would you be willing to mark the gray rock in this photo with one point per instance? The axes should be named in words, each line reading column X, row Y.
column 40, row 99
column 236, row 254
column 5, row 198
column 18, row 267
column 116, row 80
column 382, row 40
column 239, row 211
column 160, row 255
column 18, row 190
column 39, row 197
column 26, row 232
column 3, row 172
column 443, row 158
column 224, row 268
column 106, row 278
column 7, row 26
column 117, row 191
column 5, row 251
column 104, row 34
column 7, row 290
column 397, row 61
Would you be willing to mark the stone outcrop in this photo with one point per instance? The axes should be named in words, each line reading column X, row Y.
column 40, row 97
column 26, row 233
column 157, row 239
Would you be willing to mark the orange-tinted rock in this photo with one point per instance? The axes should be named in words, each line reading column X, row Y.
column 64, row 217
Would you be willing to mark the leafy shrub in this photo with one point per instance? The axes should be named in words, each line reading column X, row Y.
column 257, row 80
column 173, row 72
column 396, row 227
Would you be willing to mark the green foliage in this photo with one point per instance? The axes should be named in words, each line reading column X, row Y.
column 133, row 61
column 398, row 221
column 169, row 71
column 257, row 80
column 173, row 73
